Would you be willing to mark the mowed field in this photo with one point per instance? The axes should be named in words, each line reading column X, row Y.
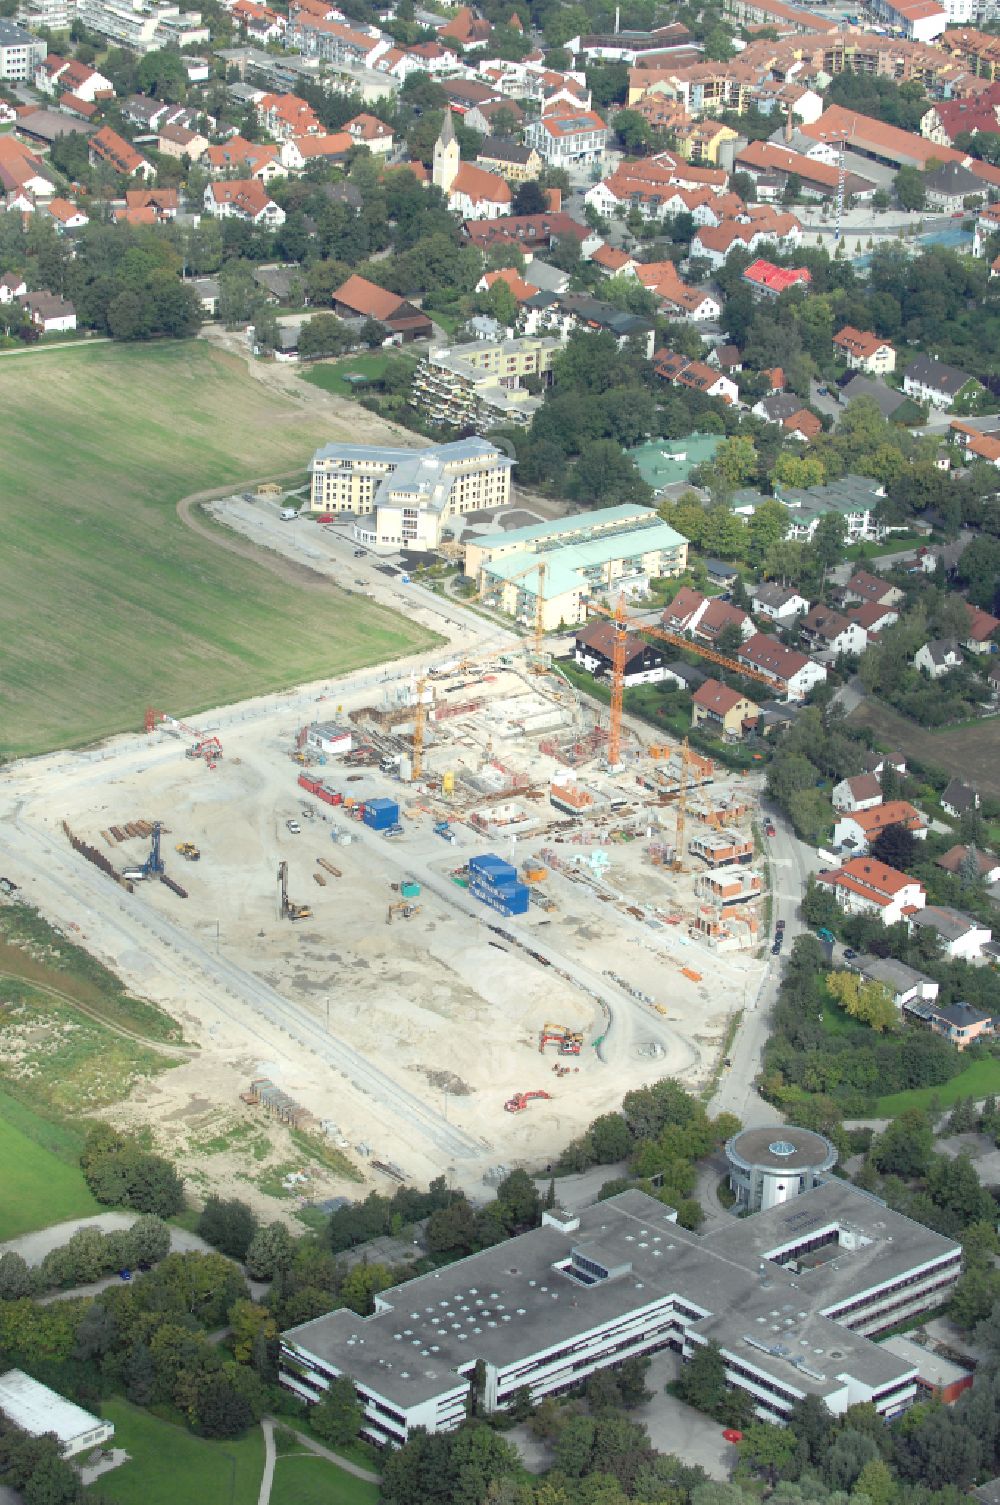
column 109, row 603
column 970, row 752
column 41, row 1183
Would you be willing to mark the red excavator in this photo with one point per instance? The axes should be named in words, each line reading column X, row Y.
column 520, row 1100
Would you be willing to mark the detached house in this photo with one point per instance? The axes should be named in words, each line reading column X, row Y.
column 780, row 603
column 789, row 670
column 962, row 937
column 930, row 380
column 723, row 710
column 243, row 198
column 956, row 859
column 958, row 798
column 827, row 631
column 859, row 829
column 864, row 351
column 862, row 792
column 594, row 649
column 938, row 658
column 864, row 886
column 368, row 130
column 48, row 312
column 982, row 629
column 871, row 590
column 357, row 298
column 719, row 615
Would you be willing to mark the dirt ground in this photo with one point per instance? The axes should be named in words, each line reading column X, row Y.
column 401, row 1040
column 969, row 752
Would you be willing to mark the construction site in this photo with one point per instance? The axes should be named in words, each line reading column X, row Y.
column 443, row 922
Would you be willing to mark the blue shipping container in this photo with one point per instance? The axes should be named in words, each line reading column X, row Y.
column 381, row 813
column 489, row 863
column 510, row 899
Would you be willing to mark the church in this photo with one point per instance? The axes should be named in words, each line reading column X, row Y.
column 471, row 191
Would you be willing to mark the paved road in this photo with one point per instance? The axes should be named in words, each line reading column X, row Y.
column 791, row 863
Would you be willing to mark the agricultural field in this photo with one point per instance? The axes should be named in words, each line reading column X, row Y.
column 969, row 752
column 139, row 609
column 168, row 1464
column 41, row 1181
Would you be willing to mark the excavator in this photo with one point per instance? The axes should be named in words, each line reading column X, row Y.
column 406, row 911
column 520, row 1101
column 188, row 850
column 570, row 1042
column 288, row 910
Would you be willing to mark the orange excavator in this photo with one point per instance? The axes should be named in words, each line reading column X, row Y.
column 570, row 1042
column 520, row 1100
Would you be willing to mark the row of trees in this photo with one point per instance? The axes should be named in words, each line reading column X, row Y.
column 86, row 1256
column 122, row 1174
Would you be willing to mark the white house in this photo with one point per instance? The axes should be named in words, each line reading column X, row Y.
column 962, row 937
column 938, row 658
column 788, row 669
column 860, row 829
column 959, row 797
column 826, row 630
column 49, row 313
column 864, row 886
column 862, row 792
column 243, row 199
column 780, row 603
column 929, row 380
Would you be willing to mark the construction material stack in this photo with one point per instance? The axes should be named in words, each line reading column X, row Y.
column 380, row 814
column 495, row 882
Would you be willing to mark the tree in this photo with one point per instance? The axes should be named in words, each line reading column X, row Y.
column 361, row 1284
column 323, row 335
column 909, row 188
column 219, row 1409
column 519, row 1202
column 633, row 130
column 16, row 1278
column 162, row 74
column 247, row 1323
column 770, row 1450
column 338, row 1416
column 702, row 1381
column 269, row 1251
column 229, row 1225
column 529, row 198
column 604, row 474
column 896, row 846
column 870, row 1002
column 904, row 1146
column 610, row 1139
column 828, row 540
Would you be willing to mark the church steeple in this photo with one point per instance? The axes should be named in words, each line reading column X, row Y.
column 447, row 156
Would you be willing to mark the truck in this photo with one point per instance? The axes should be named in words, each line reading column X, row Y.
column 826, row 935
column 443, row 829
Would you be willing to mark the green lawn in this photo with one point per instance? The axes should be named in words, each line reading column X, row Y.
column 304, row 1479
column 170, row 1466
column 979, row 1079
column 110, row 603
column 41, row 1181
column 332, row 375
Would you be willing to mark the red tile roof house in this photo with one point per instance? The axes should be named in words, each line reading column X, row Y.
column 251, row 159
column 112, row 150
column 717, row 616
column 357, row 298
column 685, row 610
column 871, row 590
column 368, row 130
column 865, row 351
column 245, row 199
column 163, row 201
column 859, row 828
column 864, row 886
column 769, row 281
column 981, row 629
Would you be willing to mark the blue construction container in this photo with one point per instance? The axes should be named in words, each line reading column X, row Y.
column 491, row 868
column 381, row 813
column 507, row 898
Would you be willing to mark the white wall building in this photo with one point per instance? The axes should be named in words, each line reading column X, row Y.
column 36, row 1410
column 583, row 1292
column 20, row 53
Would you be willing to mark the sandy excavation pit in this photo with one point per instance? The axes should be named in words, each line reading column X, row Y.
column 442, row 1005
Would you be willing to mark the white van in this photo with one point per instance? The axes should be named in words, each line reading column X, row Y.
column 288, row 514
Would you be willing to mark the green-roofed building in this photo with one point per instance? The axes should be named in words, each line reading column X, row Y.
column 570, row 560
column 669, row 462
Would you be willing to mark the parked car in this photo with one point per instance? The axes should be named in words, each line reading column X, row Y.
column 359, row 553
column 327, row 517
column 776, row 948
column 294, row 827
column 769, row 829
column 850, row 955
column 779, row 924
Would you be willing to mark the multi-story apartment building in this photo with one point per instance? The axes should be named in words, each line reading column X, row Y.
column 566, row 137
column 552, row 569
column 20, row 53
column 792, row 1295
column 143, row 26
column 403, row 498
column 482, row 385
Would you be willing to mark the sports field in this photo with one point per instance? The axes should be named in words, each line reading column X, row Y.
column 41, row 1181
column 108, row 602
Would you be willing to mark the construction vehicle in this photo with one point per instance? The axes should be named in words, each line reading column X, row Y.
column 203, row 746
column 520, row 1101
column 443, row 829
column 154, row 862
column 189, row 850
column 570, row 1042
column 287, row 910
column 405, row 911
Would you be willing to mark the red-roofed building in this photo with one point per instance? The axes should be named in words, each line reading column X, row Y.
column 67, row 216
column 357, row 298
column 770, row 281
column 685, row 610
column 112, row 150
column 368, row 130
column 259, row 22
column 613, row 262
column 297, row 153
column 245, row 199
column 697, row 376
column 864, row 886
column 981, row 629
column 519, row 286
column 566, row 137
column 723, row 710
column 163, row 201
column 535, row 232
column 858, row 829
column 766, row 227
column 57, row 75
column 251, row 159
column 71, row 104
column 468, row 30
column 285, row 117
column 717, row 616
column 865, row 351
